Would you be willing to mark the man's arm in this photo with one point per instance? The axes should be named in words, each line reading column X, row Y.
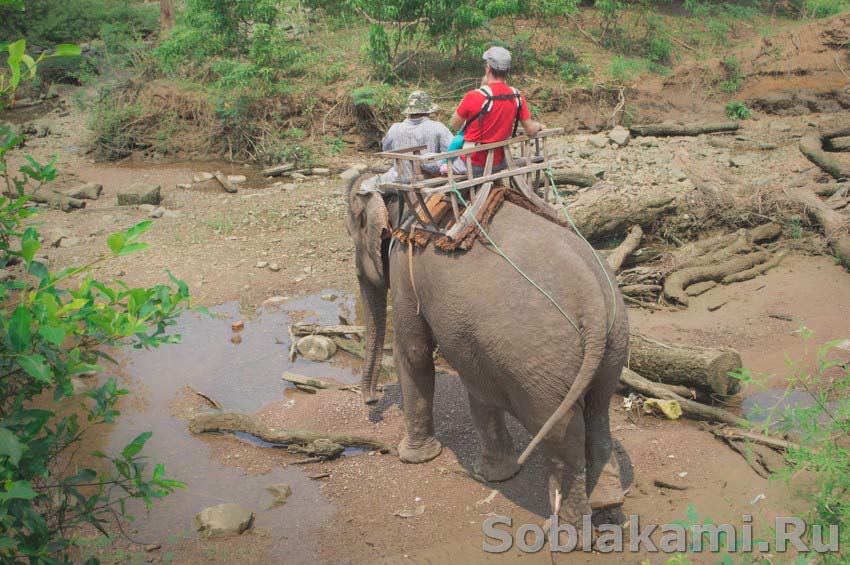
column 531, row 127
column 456, row 122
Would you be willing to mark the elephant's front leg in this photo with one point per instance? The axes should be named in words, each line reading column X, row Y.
column 413, row 355
column 498, row 460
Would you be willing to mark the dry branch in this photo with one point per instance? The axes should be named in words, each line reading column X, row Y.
column 689, row 407
column 231, row 422
column 670, row 129
column 703, row 368
column 811, row 147
column 626, row 248
column 755, row 271
column 833, row 224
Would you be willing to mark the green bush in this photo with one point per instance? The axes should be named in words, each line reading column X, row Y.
column 623, row 69
column 733, row 74
column 737, row 111
column 45, row 22
column 824, row 8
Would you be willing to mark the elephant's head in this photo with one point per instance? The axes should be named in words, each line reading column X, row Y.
column 368, row 225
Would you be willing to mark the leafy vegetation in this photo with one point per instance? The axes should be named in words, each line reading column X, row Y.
column 736, row 110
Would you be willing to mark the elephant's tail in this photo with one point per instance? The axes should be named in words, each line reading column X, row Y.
column 593, row 354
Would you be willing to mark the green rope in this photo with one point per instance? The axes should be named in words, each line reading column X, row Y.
column 595, row 254
column 511, row 263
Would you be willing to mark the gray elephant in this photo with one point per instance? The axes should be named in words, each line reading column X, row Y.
column 513, row 349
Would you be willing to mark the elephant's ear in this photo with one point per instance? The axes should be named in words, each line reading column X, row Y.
column 366, row 224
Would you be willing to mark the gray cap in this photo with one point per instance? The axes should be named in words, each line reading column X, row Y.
column 498, row 58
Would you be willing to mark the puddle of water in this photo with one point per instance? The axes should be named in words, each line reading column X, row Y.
column 774, row 403
column 243, row 377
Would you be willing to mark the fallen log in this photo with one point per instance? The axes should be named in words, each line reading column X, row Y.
column 811, row 147
column 690, row 408
column 574, row 178
column 278, row 170
column 832, row 134
column 605, row 210
column 837, row 144
column 832, row 223
column 332, row 330
column 626, row 248
column 703, row 368
column 57, row 200
column 225, row 182
column 675, row 284
column 668, row 129
column 232, row 422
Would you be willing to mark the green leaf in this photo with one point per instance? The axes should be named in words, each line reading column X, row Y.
column 132, row 248
column 67, row 50
column 116, row 242
column 36, row 367
column 52, row 334
column 16, row 51
column 28, row 249
column 7, row 543
column 10, row 446
column 19, row 329
column 138, row 230
column 18, row 490
column 136, row 445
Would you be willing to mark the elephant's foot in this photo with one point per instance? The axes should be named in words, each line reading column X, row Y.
column 420, row 454
column 496, row 472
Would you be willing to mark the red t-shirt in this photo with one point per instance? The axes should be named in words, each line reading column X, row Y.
column 496, row 125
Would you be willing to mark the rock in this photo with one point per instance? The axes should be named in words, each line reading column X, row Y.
column 700, row 288
column 88, row 191
column 597, row 171
column 280, row 492
column 274, row 267
column 202, row 177
column 45, row 128
column 598, row 140
column 140, row 194
column 172, row 214
column 350, row 174
column 677, row 174
column 184, row 186
column 321, row 171
column 780, row 126
column 237, row 179
column 262, row 264
column 224, row 520
column 157, row 213
column 298, row 176
column 620, row 136
column 69, row 242
column 316, row 347
column 147, row 208
column 767, row 146
column 324, row 448
column 739, row 161
column 278, row 170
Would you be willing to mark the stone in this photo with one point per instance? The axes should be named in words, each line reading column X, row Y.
column 202, row 177
column 262, row 264
column 88, row 191
column 677, row 174
column 316, row 347
column 140, row 193
column 280, row 492
column 767, row 146
column 620, row 136
column 275, row 301
column 172, row 214
column 156, row 213
column 780, row 126
column 598, row 140
column 321, row 171
column 237, row 179
column 597, row 171
column 739, row 161
column 224, row 520
column 274, row 267
column 298, row 176
column 147, row 208
column 69, row 242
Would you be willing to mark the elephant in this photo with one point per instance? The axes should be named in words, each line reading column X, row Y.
column 513, row 349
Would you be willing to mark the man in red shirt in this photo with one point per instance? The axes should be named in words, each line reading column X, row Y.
column 486, row 121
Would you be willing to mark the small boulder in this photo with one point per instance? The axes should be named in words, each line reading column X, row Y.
column 172, row 214
column 321, row 171
column 69, row 242
column 739, row 161
column 237, row 179
column 147, row 208
column 598, row 140
column 88, row 191
column 202, row 177
column 140, row 193
column 224, row 520
column 620, row 136
column 156, row 213
column 316, row 347
column 280, row 493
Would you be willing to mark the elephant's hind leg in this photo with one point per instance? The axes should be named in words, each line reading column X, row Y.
column 567, row 479
column 603, row 472
column 413, row 354
column 498, row 459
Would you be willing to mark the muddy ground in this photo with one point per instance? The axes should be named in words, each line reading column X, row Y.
column 215, row 244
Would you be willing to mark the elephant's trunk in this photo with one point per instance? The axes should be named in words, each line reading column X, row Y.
column 375, row 314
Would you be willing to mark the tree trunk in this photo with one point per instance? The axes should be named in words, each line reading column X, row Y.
column 703, row 368
column 166, row 16
column 605, row 210
column 668, row 129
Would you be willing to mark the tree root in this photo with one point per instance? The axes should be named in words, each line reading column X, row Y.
column 626, row 248
column 232, row 422
column 675, row 284
column 755, row 271
column 833, row 224
column 811, row 147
